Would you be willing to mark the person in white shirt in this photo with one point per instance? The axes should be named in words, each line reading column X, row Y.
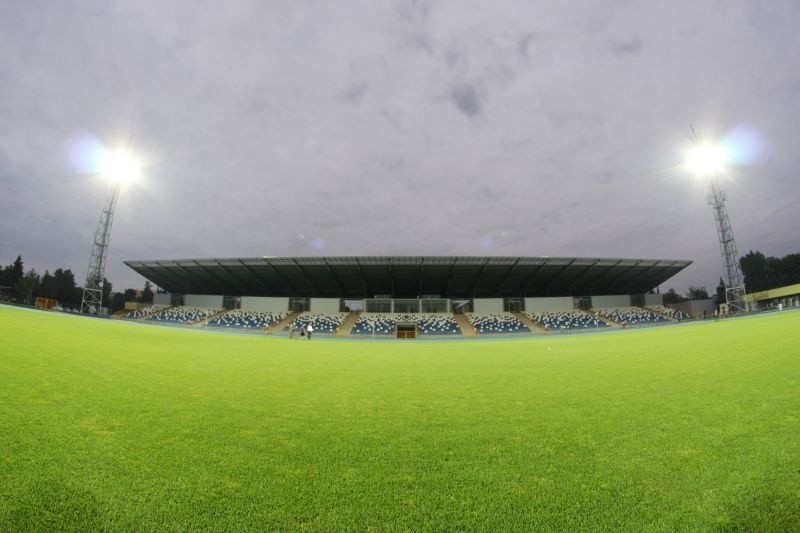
column 309, row 329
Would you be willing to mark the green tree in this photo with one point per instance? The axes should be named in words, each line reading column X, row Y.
column 28, row 285
column 697, row 293
column 754, row 268
column 130, row 295
column 117, row 302
column 147, row 294
column 77, row 297
column 47, row 286
column 791, row 268
column 65, row 290
column 106, row 297
column 672, row 297
column 17, row 271
column 762, row 273
column 13, row 276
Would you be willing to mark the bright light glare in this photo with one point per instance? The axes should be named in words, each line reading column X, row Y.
column 706, row 160
column 120, row 167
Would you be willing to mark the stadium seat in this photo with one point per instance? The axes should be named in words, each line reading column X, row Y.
column 326, row 323
column 567, row 320
column 670, row 312
column 385, row 323
column 496, row 323
column 632, row 316
column 184, row 315
column 239, row 318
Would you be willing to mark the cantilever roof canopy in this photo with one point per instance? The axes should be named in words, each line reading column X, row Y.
column 409, row 277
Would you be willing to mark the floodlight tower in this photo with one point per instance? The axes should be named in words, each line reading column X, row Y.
column 119, row 168
column 708, row 161
column 93, row 290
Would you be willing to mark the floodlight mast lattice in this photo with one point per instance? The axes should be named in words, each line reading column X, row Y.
column 120, row 168
column 92, row 300
column 735, row 294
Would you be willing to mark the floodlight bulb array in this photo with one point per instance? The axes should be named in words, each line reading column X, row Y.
column 706, row 160
column 121, row 167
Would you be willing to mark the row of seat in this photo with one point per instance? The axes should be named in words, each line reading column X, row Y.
column 438, row 324
column 385, row 323
column 492, row 323
column 670, row 312
column 145, row 311
column 567, row 320
column 320, row 322
column 238, row 318
column 632, row 316
column 184, row 315
column 427, row 323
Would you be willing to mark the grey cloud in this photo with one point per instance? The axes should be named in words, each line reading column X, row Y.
column 632, row 46
column 414, row 11
column 455, row 56
column 413, row 17
column 355, row 92
column 467, row 99
column 261, row 121
column 526, row 40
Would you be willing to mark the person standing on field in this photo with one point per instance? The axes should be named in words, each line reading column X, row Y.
column 309, row 329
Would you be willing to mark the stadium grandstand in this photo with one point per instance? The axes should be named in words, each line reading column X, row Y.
column 417, row 296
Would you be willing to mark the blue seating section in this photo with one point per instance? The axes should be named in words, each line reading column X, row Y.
column 184, row 315
column 238, row 318
column 632, row 316
column 145, row 311
column 321, row 322
column 567, row 320
column 670, row 312
column 438, row 324
column 496, row 323
column 380, row 323
column 385, row 323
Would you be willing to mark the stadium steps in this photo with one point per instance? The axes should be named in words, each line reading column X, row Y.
column 278, row 326
column 466, row 327
column 347, row 325
column 533, row 326
column 145, row 317
column 611, row 323
column 203, row 322
column 662, row 315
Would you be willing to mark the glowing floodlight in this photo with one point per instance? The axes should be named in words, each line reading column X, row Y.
column 706, row 160
column 121, row 167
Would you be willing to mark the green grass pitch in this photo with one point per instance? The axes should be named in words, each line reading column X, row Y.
column 107, row 425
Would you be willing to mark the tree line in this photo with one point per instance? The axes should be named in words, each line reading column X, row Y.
column 24, row 287
column 694, row 293
column 763, row 273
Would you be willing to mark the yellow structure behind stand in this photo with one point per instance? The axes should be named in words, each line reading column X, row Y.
column 46, row 303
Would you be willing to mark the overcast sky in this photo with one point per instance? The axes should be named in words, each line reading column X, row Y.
column 309, row 128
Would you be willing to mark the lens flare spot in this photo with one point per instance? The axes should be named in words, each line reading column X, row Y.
column 84, row 152
column 745, row 146
column 318, row 243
